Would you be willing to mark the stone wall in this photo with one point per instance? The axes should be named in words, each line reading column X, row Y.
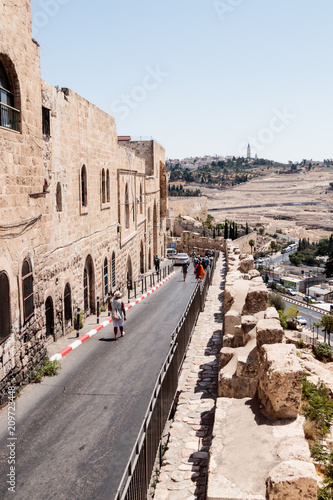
column 85, row 211
column 260, row 387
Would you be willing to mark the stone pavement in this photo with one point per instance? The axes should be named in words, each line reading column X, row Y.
column 185, row 463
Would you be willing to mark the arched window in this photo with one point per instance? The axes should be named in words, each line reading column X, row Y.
column 106, row 278
column 126, row 207
column 84, row 190
column 59, row 198
column 28, row 292
column 103, row 186
column 68, row 302
column 141, row 199
column 4, row 307
column 49, row 316
column 108, row 186
column 148, row 215
column 113, row 270
column 9, row 115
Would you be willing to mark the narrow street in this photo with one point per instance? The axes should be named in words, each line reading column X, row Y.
column 75, row 431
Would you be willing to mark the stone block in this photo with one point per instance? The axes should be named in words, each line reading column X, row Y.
column 232, row 319
column 247, row 264
column 269, row 331
column 257, row 298
column 248, row 323
column 280, row 380
column 228, row 340
column 271, row 313
column 226, row 355
column 292, row 480
column 247, row 367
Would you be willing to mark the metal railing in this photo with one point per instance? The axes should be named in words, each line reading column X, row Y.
column 136, row 479
column 9, row 117
column 147, row 281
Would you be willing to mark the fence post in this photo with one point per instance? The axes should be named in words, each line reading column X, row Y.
column 78, row 322
column 97, row 310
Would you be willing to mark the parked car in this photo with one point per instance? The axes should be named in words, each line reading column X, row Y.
column 290, row 291
column 181, row 258
column 301, row 320
column 259, row 261
column 307, row 298
column 171, row 253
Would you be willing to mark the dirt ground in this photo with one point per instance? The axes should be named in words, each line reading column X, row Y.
column 298, row 221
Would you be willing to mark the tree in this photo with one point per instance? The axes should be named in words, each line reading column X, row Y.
column 251, row 243
column 291, row 314
column 329, row 266
column 247, row 229
column 327, row 324
column 226, row 230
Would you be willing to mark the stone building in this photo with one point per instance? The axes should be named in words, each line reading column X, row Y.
column 82, row 211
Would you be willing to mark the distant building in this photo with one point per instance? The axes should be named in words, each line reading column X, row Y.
column 248, row 152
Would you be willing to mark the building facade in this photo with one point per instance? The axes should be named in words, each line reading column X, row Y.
column 82, row 211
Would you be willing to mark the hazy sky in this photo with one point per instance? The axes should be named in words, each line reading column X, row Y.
column 200, row 76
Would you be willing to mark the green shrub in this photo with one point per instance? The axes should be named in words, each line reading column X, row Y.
column 283, row 320
column 300, row 343
column 323, row 352
column 275, row 300
column 48, row 369
column 318, row 406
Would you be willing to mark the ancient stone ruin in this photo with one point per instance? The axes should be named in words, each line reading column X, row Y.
column 259, row 450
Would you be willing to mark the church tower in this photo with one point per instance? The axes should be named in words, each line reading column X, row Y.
column 248, row 152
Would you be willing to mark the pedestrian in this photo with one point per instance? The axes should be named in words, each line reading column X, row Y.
column 199, row 271
column 184, row 269
column 118, row 314
column 193, row 256
column 157, row 261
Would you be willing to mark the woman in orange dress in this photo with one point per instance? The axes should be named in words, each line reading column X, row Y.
column 199, row 271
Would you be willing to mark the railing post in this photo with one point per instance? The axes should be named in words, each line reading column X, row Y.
column 109, row 304
column 135, row 289
column 78, row 322
column 97, row 310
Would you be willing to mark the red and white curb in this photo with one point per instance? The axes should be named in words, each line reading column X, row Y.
column 86, row 336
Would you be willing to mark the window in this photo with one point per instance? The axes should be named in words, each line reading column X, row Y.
column 84, row 193
column 113, row 270
column 148, row 215
column 108, row 186
column 106, row 278
column 28, row 292
column 59, row 198
column 4, row 307
column 68, row 302
column 46, row 121
column 103, row 186
column 9, row 116
column 126, row 207
column 141, row 200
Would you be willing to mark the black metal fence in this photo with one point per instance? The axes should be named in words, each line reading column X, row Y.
column 143, row 283
column 136, row 479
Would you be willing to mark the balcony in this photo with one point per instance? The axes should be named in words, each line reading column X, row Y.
column 9, row 117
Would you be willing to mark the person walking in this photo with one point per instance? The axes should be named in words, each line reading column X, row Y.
column 118, row 312
column 199, row 271
column 157, row 261
column 184, row 270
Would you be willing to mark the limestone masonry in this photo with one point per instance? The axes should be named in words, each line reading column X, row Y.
column 82, row 212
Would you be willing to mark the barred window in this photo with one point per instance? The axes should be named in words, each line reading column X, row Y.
column 28, row 292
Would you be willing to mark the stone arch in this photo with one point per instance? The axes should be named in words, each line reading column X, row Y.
column 89, row 286
column 5, row 321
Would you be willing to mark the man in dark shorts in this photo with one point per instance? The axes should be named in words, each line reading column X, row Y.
column 184, row 269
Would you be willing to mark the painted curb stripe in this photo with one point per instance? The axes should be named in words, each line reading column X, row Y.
column 79, row 341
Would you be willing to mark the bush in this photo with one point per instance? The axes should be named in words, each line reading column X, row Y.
column 300, row 343
column 275, row 300
column 323, row 352
column 318, row 406
column 81, row 321
column 283, row 320
column 48, row 369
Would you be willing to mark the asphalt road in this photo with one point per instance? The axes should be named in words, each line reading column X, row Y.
column 75, row 431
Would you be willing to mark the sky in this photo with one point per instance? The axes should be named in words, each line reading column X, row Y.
column 203, row 77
